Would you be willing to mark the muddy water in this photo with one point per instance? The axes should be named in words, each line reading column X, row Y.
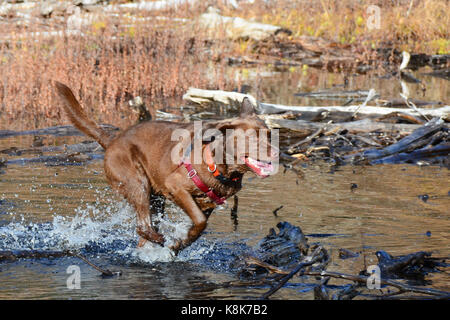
column 72, row 207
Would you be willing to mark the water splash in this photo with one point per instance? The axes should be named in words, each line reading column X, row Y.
column 97, row 229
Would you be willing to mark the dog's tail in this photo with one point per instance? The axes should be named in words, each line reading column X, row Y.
column 76, row 115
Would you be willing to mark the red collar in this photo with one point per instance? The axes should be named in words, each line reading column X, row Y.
column 192, row 174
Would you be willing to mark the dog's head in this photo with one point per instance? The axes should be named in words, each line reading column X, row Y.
column 245, row 144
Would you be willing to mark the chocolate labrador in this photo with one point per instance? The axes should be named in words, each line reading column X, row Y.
column 139, row 163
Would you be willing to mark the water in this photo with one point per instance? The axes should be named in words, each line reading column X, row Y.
column 72, row 207
column 76, row 209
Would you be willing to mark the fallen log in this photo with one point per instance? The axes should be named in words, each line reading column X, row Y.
column 150, row 5
column 359, row 126
column 406, row 265
column 205, row 97
column 326, row 94
column 267, row 108
column 425, row 153
column 235, row 28
column 404, row 144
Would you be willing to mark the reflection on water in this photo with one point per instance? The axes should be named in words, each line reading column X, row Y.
column 279, row 85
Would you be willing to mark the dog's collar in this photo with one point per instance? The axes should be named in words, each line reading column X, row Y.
column 212, row 167
column 192, row 174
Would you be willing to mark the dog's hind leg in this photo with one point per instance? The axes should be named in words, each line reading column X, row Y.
column 138, row 196
column 133, row 184
column 157, row 205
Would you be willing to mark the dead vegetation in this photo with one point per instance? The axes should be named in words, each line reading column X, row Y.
column 110, row 55
column 415, row 26
column 107, row 63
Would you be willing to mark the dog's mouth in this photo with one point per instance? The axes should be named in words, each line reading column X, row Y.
column 262, row 168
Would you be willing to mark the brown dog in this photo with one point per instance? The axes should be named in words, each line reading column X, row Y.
column 139, row 164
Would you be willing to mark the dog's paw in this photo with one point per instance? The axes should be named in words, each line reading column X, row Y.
column 177, row 247
column 152, row 236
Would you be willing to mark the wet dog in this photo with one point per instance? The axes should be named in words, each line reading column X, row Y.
column 139, row 163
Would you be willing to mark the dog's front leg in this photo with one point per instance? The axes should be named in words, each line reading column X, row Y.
column 185, row 201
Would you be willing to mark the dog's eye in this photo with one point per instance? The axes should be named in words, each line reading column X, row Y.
column 209, row 139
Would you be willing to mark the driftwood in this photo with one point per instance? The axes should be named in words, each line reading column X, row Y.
column 402, row 288
column 279, row 257
column 150, row 5
column 235, row 27
column 267, row 108
column 427, row 144
column 410, row 265
column 360, row 126
column 419, row 138
column 204, row 97
column 406, row 261
column 441, row 150
column 317, row 255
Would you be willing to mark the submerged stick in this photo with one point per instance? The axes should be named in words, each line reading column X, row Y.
column 53, row 131
column 403, row 288
column 104, row 272
column 291, row 148
column 363, row 279
column 234, row 210
column 315, row 257
column 372, row 93
column 275, row 212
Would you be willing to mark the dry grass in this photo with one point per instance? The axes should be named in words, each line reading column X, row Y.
column 108, row 65
column 116, row 59
column 425, row 29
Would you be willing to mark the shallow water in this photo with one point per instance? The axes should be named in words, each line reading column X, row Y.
column 56, row 208
column 72, row 207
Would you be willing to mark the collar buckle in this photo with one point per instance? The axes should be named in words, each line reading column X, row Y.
column 191, row 173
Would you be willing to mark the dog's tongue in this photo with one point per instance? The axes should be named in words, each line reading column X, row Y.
column 262, row 169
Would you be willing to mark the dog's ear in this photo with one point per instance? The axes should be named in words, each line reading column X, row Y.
column 247, row 108
column 217, row 130
column 211, row 132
